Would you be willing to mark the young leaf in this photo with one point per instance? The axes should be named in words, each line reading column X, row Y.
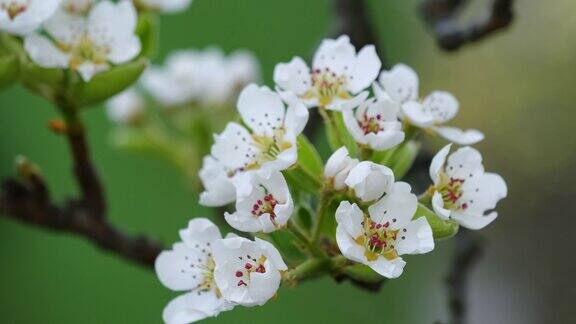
column 308, row 158
column 9, row 69
column 441, row 229
column 403, row 158
column 107, row 84
column 147, row 31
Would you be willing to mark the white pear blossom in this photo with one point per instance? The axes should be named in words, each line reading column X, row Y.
column 462, row 191
column 370, row 180
column 338, row 77
column 401, row 85
column 21, row 17
column 89, row 45
column 375, row 124
column 247, row 272
column 126, row 107
column 262, row 204
column 268, row 145
column 379, row 238
column 169, row 6
column 190, row 267
column 77, row 7
column 338, row 166
column 207, row 77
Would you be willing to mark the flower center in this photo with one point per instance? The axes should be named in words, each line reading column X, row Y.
column 451, row 191
column 265, row 206
column 252, row 265
column 77, row 7
column 14, row 8
column 269, row 147
column 378, row 240
column 327, row 85
column 371, row 124
column 85, row 50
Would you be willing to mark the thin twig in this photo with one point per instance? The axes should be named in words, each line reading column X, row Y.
column 468, row 252
column 28, row 201
column 441, row 16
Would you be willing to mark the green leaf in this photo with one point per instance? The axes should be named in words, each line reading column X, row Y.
column 297, row 176
column 147, row 31
column 309, row 159
column 441, row 229
column 9, row 69
column 363, row 273
column 286, row 243
column 107, row 84
column 403, row 158
column 337, row 132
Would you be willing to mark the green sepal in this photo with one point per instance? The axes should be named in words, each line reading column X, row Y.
column 441, row 229
column 107, row 84
column 46, row 82
column 338, row 134
column 302, row 180
column 403, row 158
column 9, row 69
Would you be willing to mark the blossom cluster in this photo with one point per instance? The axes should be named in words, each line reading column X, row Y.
column 259, row 165
column 86, row 36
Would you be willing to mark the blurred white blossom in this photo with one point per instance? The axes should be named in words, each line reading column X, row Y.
column 89, row 45
column 170, row 6
column 21, row 17
column 462, row 190
column 207, row 77
column 126, row 107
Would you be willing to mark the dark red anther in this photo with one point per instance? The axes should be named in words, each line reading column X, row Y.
column 261, row 269
column 242, row 283
column 239, row 274
column 247, row 266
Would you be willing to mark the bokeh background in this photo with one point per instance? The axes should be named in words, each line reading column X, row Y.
column 518, row 87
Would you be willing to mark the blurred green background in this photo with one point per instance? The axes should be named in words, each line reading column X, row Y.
column 516, row 86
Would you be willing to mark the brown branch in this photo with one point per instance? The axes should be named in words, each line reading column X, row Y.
column 468, row 252
column 440, row 16
column 28, row 201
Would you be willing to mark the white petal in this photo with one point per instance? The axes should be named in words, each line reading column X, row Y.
column 271, row 253
column 193, row 307
column 458, row 136
column 396, row 208
column 293, row 76
column 243, row 222
column 366, row 69
column 44, row 53
column 438, row 206
column 416, row 115
column 296, row 114
column 464, row 163
column 179, row 268
column 338, row 104
column 400, row 83
column 370, row 180
column 438, row 163
column 232, row 148
column 389, row 269
column 348, row 247
column 336, row 55
column 263, row 286
column 483, row 193
column 200, row 230
column 219, row 188
column 336, row 162
column 30, row 19
column 417, row 239
column 350, row 217
column 65, row 28
column 261, row 109
column 88, row 69
column 386, row 139
column 115, row 25
column 352, row 126
column 474, row 221
column 125, row 107
column 442, row 105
